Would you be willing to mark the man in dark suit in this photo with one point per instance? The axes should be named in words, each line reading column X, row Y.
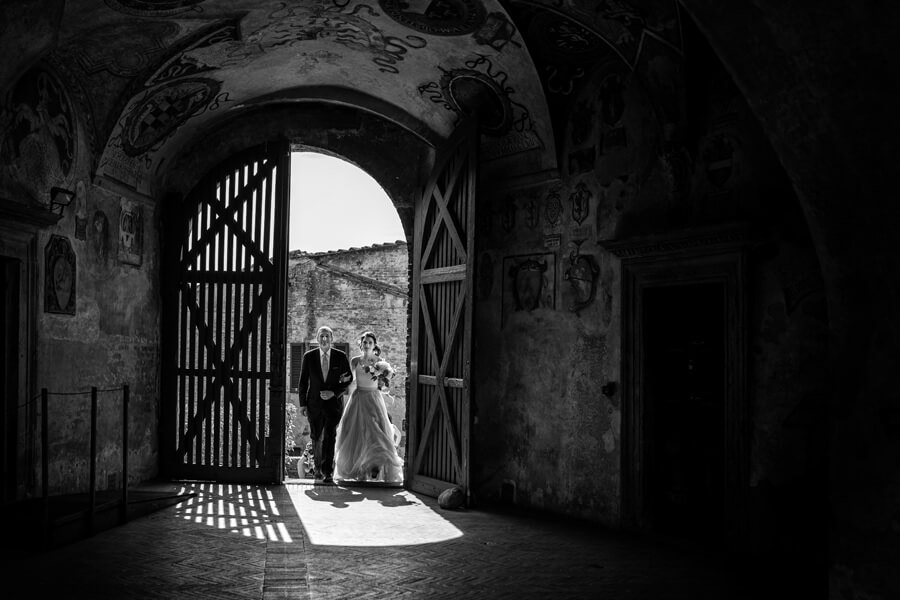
column 324, row 377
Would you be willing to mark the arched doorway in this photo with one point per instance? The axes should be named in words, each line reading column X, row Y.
column 224, row 371
column 348, row 268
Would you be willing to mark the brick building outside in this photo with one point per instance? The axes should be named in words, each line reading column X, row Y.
column 351, row 291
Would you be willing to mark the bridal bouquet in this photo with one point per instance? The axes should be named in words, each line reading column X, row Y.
column 381, row 372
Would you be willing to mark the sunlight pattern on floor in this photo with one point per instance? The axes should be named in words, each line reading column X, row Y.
column 334, row 515
column 247, row 510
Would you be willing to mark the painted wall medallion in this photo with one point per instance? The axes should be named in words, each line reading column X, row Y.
column 437, row 17
column 131, row 232
column 529, row 282
column 581, row 202
column 553, row 211
column 37, row 147
column 467, row 91
column 496, row 32
column 581, row 275
column 59, row 276
column 481, row 88
column 162, row 111
column 532, row 213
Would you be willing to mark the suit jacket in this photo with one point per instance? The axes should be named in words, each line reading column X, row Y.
column 313, row 381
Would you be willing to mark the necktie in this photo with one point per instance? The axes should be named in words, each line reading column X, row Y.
column 324, row 365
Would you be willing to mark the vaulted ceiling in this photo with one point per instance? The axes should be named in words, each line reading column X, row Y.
column 147, row 76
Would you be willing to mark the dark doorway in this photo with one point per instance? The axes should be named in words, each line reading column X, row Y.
column 9, row 370
column 684, row 377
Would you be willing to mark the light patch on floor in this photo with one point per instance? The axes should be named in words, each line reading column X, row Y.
column 335, row 515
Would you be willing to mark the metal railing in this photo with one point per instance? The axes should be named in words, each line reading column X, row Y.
column 91, row 511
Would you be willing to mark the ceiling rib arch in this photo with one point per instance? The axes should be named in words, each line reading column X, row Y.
column 391, row 153
column 353, row 98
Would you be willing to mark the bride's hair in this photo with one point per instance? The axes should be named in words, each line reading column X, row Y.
column 370, row 334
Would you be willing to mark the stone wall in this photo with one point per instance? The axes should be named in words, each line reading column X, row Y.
column 549, row 434
column 351, row 291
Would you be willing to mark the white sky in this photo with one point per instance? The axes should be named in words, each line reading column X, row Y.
column 336, row 205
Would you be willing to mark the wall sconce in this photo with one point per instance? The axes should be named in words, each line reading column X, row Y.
column 59, row 199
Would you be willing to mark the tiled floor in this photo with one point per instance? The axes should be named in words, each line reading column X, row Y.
column 319, row 542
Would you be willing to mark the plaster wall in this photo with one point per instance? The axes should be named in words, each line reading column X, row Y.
column 95, row 321
column 111, row 340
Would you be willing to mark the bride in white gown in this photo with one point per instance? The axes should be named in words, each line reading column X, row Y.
column 365, row 448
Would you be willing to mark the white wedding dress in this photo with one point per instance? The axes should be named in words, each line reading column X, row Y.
column 365, row 449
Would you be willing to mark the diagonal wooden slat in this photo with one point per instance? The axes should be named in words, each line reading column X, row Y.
column 440, row 375
column 425, row 437
column 430, row 342
column 245, row 194
column 216, row 384
column 444, row 216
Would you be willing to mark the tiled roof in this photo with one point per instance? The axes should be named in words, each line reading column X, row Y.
column 386, row 245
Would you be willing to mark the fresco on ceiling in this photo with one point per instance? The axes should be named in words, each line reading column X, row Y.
column 155, row 8
column 161, row 111
column 437, row 17
column 453, row 18
column 569, row 37
column 37, row 135
column 496, row 32
column 73, row 81
column 154, row 117
column 572, row 25
column 568, row 50
column 292, row 26
column 155, row 108
column 124, row 49
column 480, row 88
column 181, row 64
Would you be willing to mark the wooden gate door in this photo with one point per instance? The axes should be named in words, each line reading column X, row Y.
column 224, row 385
column 439, row 416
